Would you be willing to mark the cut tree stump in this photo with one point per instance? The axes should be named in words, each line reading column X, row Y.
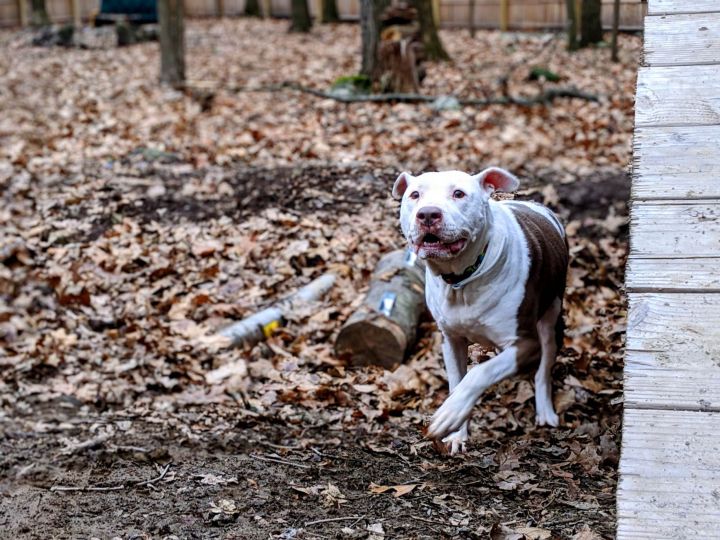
column 384, row 328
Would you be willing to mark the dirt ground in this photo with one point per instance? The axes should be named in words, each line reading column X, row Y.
column 311, row 469
column 136, row 221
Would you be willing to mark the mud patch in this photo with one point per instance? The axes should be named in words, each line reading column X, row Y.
column 247, row 191
column 315, row 188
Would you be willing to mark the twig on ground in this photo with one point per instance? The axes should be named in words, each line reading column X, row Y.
column 92, row 443
column 123, row 448
column 163, row 471
column 87, row 488
column 133, row 483
column 281, row 461
column 544, row 97
column 328, row 520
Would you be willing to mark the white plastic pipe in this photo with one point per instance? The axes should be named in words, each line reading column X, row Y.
column 259, row 326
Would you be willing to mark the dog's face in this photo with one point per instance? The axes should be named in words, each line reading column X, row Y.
column 443, row 212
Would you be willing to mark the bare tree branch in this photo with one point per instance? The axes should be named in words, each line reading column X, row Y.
column 547, row 96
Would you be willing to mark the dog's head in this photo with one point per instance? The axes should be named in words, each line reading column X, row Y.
column 442, row 213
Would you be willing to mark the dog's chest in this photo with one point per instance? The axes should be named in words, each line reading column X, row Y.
column 486, row 315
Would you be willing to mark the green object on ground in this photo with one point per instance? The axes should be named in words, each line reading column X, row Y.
column 359, row 83
column 538, row 72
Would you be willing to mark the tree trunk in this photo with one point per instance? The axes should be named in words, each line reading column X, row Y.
column 384, row 327
column 370, row 12
column 330, row 11
column 172, row 42
column 434, row 49
column 39, row 16
column 616, row 26
column 591, row 23
column 252, row 8
column 572, row 25
column 300, row 16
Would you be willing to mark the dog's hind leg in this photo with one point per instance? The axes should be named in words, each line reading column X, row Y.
column 549, row 329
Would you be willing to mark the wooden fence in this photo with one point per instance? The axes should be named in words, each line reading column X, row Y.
column 512, row 14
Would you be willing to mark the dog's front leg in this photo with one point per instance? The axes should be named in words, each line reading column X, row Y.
column 457, row 408
column 455, row 353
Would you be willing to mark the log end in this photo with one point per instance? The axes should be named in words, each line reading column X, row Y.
column 372, row 341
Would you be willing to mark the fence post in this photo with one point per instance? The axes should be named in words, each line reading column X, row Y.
column 75, row 13
column 266, row 8
column 436, row 12
column 22, row 12
column 504, row 15
column 220, row 8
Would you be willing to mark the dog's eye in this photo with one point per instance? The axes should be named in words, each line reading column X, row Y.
column 457, row 194
column 415, row 195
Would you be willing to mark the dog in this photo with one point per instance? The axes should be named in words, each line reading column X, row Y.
column 495, row 275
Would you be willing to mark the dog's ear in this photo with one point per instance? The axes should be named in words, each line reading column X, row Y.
column 497, row 179
column 401, row 185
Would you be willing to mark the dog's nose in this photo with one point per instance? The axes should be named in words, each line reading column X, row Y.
column 429, row 216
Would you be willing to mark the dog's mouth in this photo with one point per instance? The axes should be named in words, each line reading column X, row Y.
column 433, row 246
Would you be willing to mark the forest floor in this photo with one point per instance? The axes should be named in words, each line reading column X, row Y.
column 136, row 221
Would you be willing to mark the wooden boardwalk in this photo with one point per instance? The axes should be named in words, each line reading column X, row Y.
column 670, row 465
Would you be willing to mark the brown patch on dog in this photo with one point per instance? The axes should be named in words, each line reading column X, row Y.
column 548, row 252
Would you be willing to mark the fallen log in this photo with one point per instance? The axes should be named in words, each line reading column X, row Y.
column 384, row 327
column 542, row 98
column 260, row 326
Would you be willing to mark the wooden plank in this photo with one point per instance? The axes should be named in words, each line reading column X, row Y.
column 677, row 163
column 673, row 275
column 672, row 380
column 662, row 7
column 678, row 96
column 682, row 39
column 687, row 323
column 669, row 475
column 677, row 228
column 665, row 229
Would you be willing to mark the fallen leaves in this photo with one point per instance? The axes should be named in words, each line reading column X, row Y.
column 397, row 491
column 136, row 224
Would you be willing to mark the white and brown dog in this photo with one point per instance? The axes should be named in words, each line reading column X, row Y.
column 495, row 276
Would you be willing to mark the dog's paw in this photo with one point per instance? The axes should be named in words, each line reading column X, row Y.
column 451, row 415
column 547, row 418
column 456, row 441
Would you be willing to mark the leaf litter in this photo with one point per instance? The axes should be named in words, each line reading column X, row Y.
column 137, row 221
